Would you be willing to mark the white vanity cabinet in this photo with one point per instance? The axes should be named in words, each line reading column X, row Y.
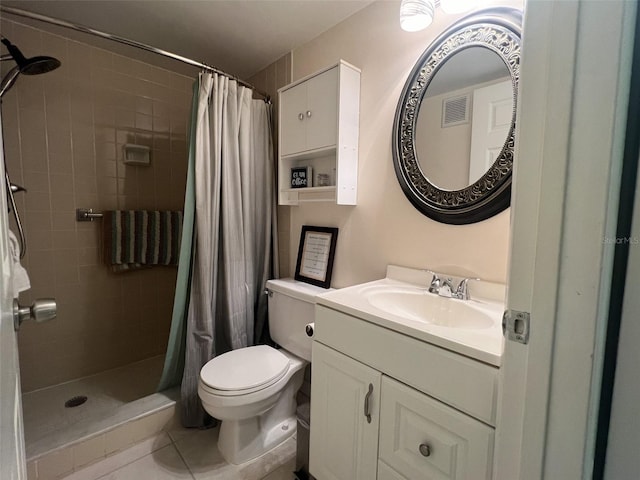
column 319, row 122
column 346, row 447
column 389, row 407
column 422, row 438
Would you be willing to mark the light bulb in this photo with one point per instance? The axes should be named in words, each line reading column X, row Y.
column 457, row 6
column 416, row 14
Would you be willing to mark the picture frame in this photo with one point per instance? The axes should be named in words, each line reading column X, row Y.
column 315, row 255
column 301, row 177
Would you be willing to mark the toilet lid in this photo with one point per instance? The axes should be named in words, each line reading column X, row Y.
column 245, row 368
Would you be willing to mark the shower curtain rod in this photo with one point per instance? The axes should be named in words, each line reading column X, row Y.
column 132, row 43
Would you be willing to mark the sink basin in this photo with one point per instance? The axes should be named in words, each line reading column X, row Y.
column 419, row 305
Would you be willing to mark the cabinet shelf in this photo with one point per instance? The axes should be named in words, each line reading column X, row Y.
column 309, row 195
column 319, row 124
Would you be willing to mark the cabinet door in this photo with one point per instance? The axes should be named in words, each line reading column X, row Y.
column 321, row 115
column 293, row 103
column 424, row 439
column 343, row 444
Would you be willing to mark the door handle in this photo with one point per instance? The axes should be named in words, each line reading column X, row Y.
column 42, row 310
column 367, row 405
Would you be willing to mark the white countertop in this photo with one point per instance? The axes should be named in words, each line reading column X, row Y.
column 484, row 344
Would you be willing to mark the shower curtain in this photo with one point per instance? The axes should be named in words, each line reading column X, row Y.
column 231, row 170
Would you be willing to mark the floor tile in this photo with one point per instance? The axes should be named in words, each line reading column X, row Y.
column 118, row 460
column 270, row 461
column 201, row 454
column 284, row 472
column 163, row 464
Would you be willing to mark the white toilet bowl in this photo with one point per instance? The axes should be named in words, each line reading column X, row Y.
column 253, row 391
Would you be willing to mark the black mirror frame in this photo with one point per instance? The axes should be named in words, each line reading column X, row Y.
column 498, row 29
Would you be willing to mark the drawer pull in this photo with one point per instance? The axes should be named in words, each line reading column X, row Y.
column 301, row 116
column 367, row 411
column 425, row 450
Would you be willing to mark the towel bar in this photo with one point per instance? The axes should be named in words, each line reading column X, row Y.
column 86, row 215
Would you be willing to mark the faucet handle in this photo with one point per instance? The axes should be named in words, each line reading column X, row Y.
column 462, row 292
column 434, row 287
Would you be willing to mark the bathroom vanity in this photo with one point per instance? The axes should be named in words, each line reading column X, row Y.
column 404, row 382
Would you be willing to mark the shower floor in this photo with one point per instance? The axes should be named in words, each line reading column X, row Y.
column 46, row 419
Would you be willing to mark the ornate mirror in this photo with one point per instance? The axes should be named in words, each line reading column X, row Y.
column 454, row 128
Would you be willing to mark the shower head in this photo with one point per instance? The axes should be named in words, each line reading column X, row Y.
column 33, row 65
column 26, row 66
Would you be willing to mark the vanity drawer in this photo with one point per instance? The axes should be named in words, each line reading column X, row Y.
column 461, row 382
column 421, row 438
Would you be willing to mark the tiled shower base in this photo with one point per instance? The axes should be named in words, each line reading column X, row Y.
column 121, row 409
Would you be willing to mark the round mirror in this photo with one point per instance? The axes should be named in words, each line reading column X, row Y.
column 464, row 118
column 455, row 121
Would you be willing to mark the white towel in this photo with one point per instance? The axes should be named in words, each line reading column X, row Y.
column 20, row 277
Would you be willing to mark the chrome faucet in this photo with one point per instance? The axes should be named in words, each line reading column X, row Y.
column 444, row 288
column 462, row 292
column 434, row 287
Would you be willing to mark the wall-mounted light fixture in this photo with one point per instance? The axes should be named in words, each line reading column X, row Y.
column 417, row 15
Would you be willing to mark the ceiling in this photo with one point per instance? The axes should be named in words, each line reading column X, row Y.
column 240, row 37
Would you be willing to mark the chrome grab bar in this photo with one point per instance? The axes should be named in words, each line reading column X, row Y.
column 87, row 215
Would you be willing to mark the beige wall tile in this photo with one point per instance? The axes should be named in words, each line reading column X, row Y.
column 55, row 464
column 118, row 439
column 32, row 470
column 89, row 451
column 64, row 133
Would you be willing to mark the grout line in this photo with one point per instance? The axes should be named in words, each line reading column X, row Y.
column 175, row 446
column 119, row 467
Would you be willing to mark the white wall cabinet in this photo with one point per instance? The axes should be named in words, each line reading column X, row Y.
column 367, row 425
column 319, row 124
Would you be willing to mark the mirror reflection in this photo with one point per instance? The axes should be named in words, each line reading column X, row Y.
column 464, row 118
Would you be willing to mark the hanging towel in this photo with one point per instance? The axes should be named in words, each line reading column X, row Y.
column 20, row 277
column 139, row 238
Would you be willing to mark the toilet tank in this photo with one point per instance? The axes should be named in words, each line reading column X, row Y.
column 291, row 307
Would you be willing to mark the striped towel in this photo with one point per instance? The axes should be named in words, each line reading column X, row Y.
column 140, row 238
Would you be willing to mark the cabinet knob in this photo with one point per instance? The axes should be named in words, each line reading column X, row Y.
column 425, row 450
column 308, row 113
column 301, row 116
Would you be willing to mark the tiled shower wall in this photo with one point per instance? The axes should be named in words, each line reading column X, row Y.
column 64, row 132
column 269, row 80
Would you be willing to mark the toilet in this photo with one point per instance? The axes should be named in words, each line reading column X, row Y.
column 253, row 390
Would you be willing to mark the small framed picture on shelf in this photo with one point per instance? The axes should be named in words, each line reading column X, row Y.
column 315, row 255
column 301, row 177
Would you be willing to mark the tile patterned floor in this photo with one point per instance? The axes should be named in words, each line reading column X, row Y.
column 44, row 410
column 188, row 454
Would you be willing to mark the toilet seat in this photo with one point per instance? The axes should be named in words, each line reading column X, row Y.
column 244, row 371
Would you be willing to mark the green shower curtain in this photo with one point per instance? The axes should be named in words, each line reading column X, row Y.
column 174, row 359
